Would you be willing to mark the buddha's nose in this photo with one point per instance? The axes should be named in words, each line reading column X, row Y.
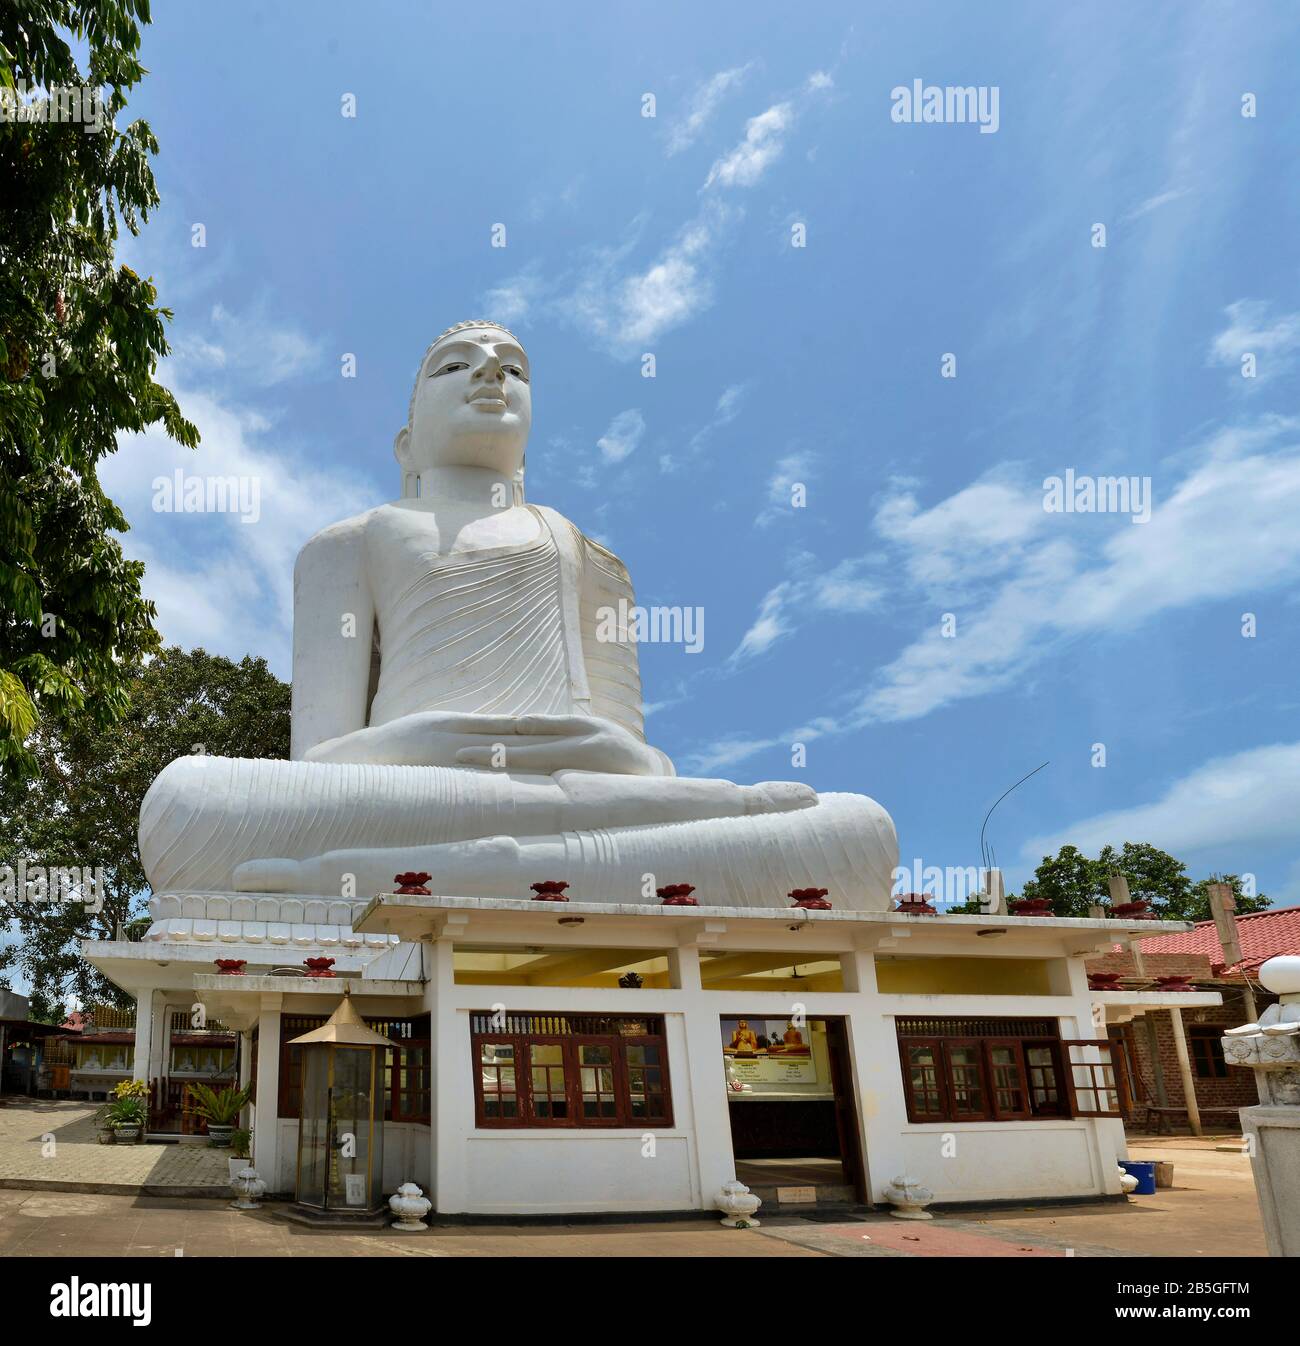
column 491, row 370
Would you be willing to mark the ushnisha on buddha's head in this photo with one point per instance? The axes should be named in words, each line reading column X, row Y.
column 471, row 405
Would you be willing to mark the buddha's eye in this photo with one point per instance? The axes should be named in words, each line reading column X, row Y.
column 516, row 371
column 449, row 369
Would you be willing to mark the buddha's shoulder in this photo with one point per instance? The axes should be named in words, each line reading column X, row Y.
column 595, row 552
column 344, row 535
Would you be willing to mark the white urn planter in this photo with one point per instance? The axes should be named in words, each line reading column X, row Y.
column 738, row 1204
column 248, row 1188
column 909, row 1199
column 409, row 1206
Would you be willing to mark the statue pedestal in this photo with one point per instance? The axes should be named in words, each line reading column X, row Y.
column 1271, row 1048
column 1273, row 1133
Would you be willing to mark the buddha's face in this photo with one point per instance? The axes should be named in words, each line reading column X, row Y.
column 472, row 406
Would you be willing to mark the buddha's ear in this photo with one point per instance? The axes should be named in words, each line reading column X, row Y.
column 400, row 443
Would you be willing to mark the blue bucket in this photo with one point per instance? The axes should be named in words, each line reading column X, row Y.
column 1144, row 1170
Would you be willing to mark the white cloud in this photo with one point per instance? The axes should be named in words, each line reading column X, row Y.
column 264, row 352
column 218, row 581
column 623, row 435
column 762, row 146
column 1246, row 798
column 511, row 301
column 1252, row 330
column 631, row 310
column 979, row 531
column 794, row 468
column 847, row 587
column 1156, row 201
column 724, row 753
column 770, row 624
column 1227, row 528
column 704, row 103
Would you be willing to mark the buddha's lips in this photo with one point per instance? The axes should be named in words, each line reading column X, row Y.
column 488, row 395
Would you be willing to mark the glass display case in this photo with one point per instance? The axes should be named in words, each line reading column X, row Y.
column 341, row 1120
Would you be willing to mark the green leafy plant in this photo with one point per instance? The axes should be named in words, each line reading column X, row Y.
column 85, row 801
column 126, row 1112
column 219, row 1107
column 81, row 337
column 241, row 1144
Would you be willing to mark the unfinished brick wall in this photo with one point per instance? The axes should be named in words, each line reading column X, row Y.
column 1235, row 1090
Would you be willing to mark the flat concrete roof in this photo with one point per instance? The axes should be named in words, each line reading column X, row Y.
column 414, row 917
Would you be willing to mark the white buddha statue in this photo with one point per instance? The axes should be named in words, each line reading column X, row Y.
column 455, row 709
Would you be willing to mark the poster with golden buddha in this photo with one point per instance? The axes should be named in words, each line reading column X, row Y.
column 769, row 1050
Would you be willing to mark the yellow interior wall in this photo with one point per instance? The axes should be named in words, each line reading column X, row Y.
column 655, row 980
column 964, row 976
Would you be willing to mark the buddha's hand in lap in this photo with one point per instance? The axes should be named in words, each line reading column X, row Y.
column 538, row 744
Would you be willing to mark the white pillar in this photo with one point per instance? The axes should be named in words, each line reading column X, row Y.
column 451, row 1084
column 878, row 1078
column 706, row 1075
column 143, row 1036
column 266, row 1122
column 246, row 1072
column 158, row 1064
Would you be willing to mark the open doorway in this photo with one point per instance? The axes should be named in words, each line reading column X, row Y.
column 794, row 1118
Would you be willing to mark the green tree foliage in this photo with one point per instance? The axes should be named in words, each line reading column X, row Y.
column 1072, row 882
column 80, row 339
column 82, row 805
column 1198, row 899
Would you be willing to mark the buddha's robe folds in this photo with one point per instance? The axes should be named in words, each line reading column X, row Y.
column 508, row 631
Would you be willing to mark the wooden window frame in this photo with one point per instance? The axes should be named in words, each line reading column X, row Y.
column 1098, row 1084
column 941, row 1040
column 570, row 1044
column 915, row 1112
column 402, row 1031
column 1205, row 1047
column 1025, row 1113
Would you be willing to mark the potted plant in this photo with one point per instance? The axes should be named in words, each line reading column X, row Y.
column 129, row 1091
column 103, row 1127
column 241, row 1152
column 126, row 1117
column 220, row 1108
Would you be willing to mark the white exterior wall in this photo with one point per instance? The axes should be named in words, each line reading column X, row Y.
column 467, row 1170
column 556, row 1171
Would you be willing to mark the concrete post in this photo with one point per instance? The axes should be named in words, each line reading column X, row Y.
column 706, row 1076
column 1185, row 1070
column 246, row 1075
column 143, row 1036
column 266, row 1122
column 450, row 1079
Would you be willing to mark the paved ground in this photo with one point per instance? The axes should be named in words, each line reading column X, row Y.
column 54, row 1142
column 1210, row 1210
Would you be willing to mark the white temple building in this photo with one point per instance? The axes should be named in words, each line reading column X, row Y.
column 460, row 712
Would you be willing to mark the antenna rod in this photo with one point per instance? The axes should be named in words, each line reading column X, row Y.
column 984, row 854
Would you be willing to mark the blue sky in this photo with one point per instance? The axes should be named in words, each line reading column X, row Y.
column 329, row 236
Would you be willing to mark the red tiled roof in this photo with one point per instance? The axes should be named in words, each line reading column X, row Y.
column 1263, row 934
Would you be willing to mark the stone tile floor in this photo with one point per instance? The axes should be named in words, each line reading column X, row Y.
column 1210, row 1210
column 54, row 1141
